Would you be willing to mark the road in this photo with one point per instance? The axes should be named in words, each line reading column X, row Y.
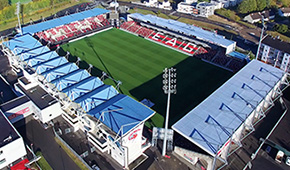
column 43, row 140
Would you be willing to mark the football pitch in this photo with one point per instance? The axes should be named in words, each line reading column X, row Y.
column 139, row 63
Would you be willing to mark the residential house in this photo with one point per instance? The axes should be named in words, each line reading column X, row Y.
column 257, row 16
column 284, row 12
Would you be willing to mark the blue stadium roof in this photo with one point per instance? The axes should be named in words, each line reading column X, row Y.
column 38, row 59
column 59, row 71
column 32, row 51
column 71, row 79
column 24, row 42
column 82, row 87
column 121, row 112
column 39, row 51
column 95, row 97
column 89, row 92
column 212, row 123
column 63, row 20
column 50, row 64
column 190, row 30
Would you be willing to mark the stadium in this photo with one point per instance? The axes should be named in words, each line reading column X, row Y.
column 98, row 75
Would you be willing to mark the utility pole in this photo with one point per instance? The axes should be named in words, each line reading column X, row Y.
column 169, row 86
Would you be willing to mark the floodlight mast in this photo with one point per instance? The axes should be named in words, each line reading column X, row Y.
column 261, row 37
column 17, row 13
column 169, row 86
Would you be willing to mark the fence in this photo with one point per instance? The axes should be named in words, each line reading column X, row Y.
column 79, row 157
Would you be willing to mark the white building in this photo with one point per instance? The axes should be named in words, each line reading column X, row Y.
column 187, row 8
column 156, row 4
column 217, row 4
column 275, row 52
column 227, row 3
column 219, row 124
column 205, row 9
column 202, row 9
column 12, row 148
column 151, row 3
column 165, row 5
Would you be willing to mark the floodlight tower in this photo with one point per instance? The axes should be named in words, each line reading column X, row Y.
column 17, row 13
column 169, row 86
column 261, row 37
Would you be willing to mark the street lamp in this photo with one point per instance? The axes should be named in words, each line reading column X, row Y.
column 169, row 86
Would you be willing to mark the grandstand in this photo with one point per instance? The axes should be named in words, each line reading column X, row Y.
column 190, row 40
column 74, row 29
column 217, row 126
column 87, row 103
column 59, row 30
column 180, row 28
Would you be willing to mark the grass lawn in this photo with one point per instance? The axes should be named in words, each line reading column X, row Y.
column 42, row 162
column 139, row 63
column 36, row 15
column 21, row 1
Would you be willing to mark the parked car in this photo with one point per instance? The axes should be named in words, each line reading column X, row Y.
column 279, row 156
column 45, row 125
column 287, row 161
column 95, row 167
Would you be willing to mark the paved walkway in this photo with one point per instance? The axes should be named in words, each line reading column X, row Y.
column 43, row 140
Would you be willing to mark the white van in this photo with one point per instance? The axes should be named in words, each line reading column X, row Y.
column 279, row 156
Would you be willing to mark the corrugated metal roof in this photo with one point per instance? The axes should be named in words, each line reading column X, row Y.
column 211, row 123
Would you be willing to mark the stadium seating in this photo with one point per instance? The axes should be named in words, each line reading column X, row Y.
column 73, row 29
column 216, row 56
column 134, row 27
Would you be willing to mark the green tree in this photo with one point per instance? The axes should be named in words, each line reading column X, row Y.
column 261, row 5
column 281, row 28
column 3, row 4
column 285, row 3
column 247, row 6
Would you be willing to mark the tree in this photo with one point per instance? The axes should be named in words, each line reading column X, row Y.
column 261, row 5
column 3, row 4
column 247, row 6
column 285, row 3
column 281, row 28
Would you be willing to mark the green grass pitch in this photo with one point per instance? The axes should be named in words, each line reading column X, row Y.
column 139, row 63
